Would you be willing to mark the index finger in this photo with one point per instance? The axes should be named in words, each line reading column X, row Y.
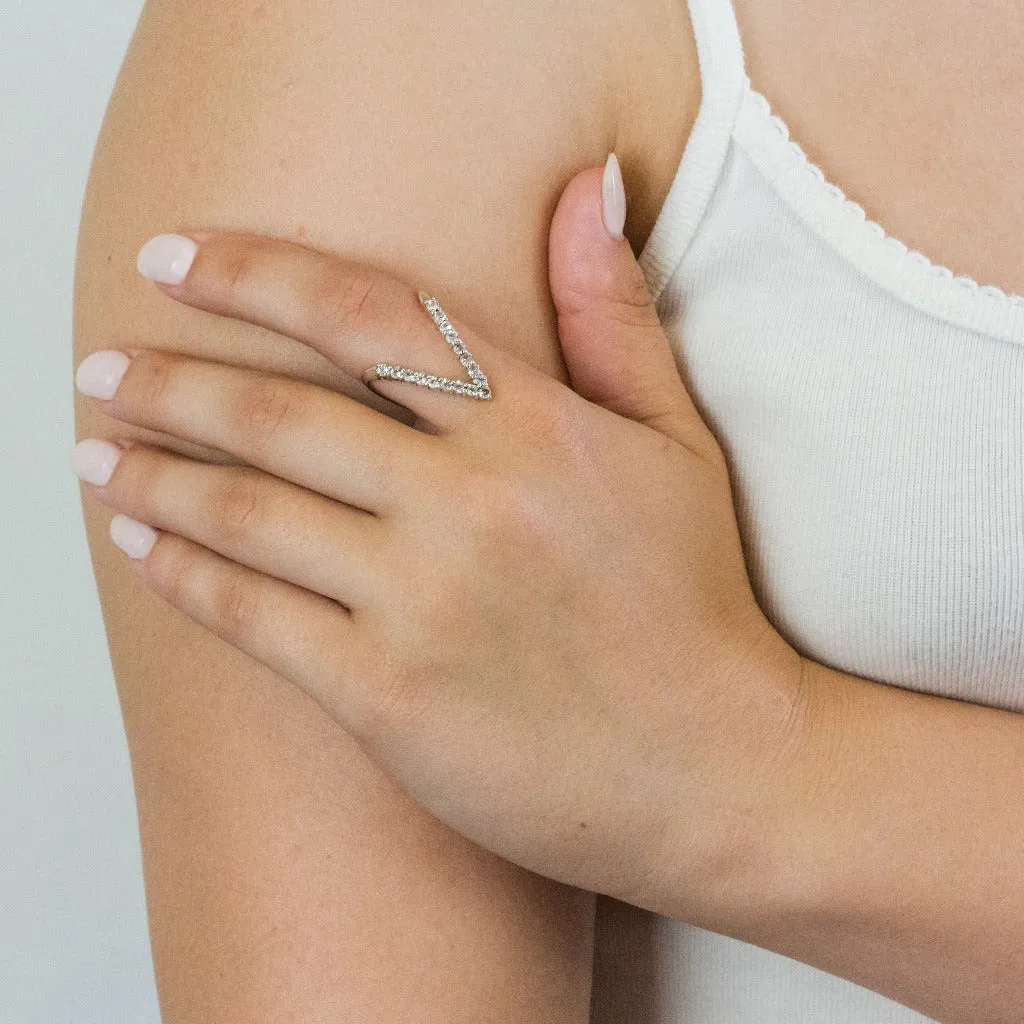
column 356, row 315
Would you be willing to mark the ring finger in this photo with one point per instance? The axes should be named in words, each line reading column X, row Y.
column 242, row 513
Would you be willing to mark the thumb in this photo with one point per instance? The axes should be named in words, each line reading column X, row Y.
column 615, row 349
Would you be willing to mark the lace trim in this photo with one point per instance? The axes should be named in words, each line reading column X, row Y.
column 798, row 163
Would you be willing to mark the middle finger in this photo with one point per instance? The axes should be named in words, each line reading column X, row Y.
column 314, row 437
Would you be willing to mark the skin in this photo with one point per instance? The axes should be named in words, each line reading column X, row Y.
column 780, row 801
column 993, row 210
column 911, row 108
column 288, row 878
column 473, row 603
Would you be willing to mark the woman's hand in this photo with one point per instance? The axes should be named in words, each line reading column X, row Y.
column 532, row 609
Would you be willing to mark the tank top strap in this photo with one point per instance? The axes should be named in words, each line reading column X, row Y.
column 723, row 82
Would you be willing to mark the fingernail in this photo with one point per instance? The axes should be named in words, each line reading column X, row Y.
column 167, row 258
column 613, row 196
column 100, row 373
column 94, row 460
column 135, row 539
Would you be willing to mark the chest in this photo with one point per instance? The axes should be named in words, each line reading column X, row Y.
column 914, row 110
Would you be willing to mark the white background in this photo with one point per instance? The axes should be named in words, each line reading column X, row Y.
column 73, row 941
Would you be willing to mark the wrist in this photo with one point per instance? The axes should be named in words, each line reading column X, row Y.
column 793, row 863
column 723, row 865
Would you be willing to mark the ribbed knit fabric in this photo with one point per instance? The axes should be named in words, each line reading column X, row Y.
column 871, row 407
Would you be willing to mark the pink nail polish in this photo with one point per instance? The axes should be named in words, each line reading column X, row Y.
column 613, row 196
column 94, row 460
column 135, row 539
column 167, row 258
column 100, row 373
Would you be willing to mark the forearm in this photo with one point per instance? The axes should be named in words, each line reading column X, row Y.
column 896, row 857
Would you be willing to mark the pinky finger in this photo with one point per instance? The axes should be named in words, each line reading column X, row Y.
column 300, row 635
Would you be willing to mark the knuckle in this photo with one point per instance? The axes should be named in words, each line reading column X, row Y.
column 230, row 605
column 264, row 411
column 171, row 567
column 518, row 505
column 135, row 485
column 504, row 514
column 346, row 297
column 554, row 421
column 400, row 694
column 235, row 606
column 699, row 440
column 238, row 269
column 715, row 456
column 604, row 292
column 631, row 300
column 152, row 380
column 239, row 506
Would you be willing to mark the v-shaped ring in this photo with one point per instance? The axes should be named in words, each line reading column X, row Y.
column 476, row 387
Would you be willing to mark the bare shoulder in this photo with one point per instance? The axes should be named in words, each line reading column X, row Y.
column 331, row 121
column 360, row 125
column 288, row 879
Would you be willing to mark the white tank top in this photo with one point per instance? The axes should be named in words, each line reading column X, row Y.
column 871, row 407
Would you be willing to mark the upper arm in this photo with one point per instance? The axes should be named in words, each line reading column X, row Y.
column 287, row 877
